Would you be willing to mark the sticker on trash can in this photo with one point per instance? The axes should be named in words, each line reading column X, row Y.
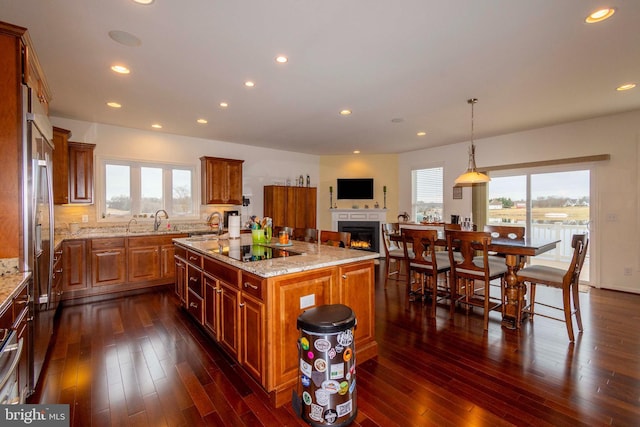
column 305, row 368
column 322, row 397
column 306, row 397
column 304, row 343
column 344, row 408
column 345, row 338
column 348, row 353
column 344, row 388
column 320, row 365
column 332, row 386
column 315, row 412
column 305, row 380
column 337, row 371
column 322, row 345
column 330, row 416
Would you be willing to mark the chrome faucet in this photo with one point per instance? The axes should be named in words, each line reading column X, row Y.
column 157, row 220
column 129, row 223
column 212, row 215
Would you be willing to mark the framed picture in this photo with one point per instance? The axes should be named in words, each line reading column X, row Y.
column 457, row 192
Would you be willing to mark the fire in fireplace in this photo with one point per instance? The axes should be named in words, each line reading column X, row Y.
column 364, row 234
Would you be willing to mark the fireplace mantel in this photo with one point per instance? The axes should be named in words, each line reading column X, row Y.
column 375, row 215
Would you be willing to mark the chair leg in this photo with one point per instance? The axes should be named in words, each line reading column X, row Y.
column 566, row 303
column 576, row 306
column 386, row 271
column 532, row 303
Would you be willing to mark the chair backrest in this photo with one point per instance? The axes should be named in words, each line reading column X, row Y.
column 423, row 243
column 389, row 228
column 505, row 231
column 466, row 243
column 305, row 234
column 335, row 238
column 580, row 244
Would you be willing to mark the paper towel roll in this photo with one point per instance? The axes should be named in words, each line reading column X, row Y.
column 234, row 227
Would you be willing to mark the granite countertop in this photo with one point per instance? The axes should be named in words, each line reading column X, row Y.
column 313, row 255
column 9, row 285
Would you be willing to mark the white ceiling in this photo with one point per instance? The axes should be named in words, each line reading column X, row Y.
column 530, row 64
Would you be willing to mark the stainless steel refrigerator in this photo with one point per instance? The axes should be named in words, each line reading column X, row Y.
column 39, row 228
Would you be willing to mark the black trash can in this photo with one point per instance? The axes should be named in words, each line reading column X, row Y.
column 327, row 381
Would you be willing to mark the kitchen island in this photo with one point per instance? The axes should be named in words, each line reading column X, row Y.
column 248, row 298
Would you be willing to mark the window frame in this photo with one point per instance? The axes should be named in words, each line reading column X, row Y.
column 135, row 188
column 414, row 188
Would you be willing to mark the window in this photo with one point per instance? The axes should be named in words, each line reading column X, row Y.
column 427, row 194
column 137, row 189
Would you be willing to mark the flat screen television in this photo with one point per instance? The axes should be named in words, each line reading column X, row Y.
column 355, row 188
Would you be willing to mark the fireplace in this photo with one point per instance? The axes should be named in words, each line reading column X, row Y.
column 364, row 234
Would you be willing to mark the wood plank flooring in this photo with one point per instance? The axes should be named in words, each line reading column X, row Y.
column 140, row 361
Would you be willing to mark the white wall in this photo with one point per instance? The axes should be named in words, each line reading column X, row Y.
column 615, row 229
column 262, row 166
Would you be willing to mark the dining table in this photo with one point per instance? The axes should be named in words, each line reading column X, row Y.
column 513, row 250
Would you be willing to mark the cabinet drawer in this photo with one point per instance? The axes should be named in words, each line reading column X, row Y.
column 253, row 285
column 224, row 272
column 194, row 258
column 97, row 244
column 180, row 252
column 194, row 280
column 195, row 306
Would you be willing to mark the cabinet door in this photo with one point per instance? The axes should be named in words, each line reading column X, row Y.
column 211, row 302
column 311, row 202
column 167, row 264
column 252, row 323
column 108, row 267
column 234, row 182
column 275, row 200
column 357, row 290
column 181, row 274
column 143, row 263
column 61, row 165
column 75, row 265
column 228, row 334
column 221, row 181
column 80, row 172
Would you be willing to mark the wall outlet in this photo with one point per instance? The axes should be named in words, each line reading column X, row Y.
column 85, row 218
column 307, row 301
column 628, row 271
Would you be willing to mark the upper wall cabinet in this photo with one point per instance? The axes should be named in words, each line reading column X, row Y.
column 72, row 169
column 221, row 181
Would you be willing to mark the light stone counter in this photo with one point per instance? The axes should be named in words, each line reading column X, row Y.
column 9, row 285
column 313, row 255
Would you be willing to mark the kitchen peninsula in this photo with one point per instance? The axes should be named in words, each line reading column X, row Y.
column 248, row 297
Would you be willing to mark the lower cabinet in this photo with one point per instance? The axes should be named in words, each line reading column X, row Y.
column 108, row 261
column 57, row 278
column 252, row 322
column 16, row 316
column 229, row 333
column 181, row 274
column 75, row 265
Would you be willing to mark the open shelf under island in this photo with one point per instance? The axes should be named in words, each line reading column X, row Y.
column 248, row 297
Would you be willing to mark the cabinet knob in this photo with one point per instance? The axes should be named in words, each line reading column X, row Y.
column 241, row 304
column 193, row 279
column 249, row 285
column 218, row 291
column 192, row 258
column 344, row 276
column 193, row 304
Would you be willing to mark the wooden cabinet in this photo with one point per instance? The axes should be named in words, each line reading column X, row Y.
column 57, row 279
column 221, row 181
column 181, row 274
column 108, row 261
column 80, row 172
column 75, row 265
column 19, row 63
column 355, row 281
column 291, row 206
column 229, row 332
column 167, row 264
column 211, row 305
column 150, row 259
column 252, row 326
column 61, row 165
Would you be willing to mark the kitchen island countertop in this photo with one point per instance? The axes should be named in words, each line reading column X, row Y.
column 312, row 256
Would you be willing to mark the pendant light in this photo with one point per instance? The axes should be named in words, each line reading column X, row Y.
column 472, row 176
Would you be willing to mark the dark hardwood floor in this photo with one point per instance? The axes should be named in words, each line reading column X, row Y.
column 140, row 361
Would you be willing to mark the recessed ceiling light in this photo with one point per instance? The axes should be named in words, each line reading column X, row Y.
column 144, row 2
column 397, row 120
column 156, row 126
column 114, row 104
column 249, row 83
column 282, row 59
column 356, row 151
column 202, row 121
column 600, row 15
column 224, row 104
column 627, row 86
column 125, row 38
column 345, row 112
column 120, row 69
column 421, row 133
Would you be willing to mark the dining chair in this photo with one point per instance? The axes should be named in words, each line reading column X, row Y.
column 567, row 280
column 309, row 235
column 469, row 270
column 335, row 238
column 393, row 250
column 425, row 263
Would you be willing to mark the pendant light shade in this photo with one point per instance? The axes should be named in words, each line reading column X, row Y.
column 472, row 176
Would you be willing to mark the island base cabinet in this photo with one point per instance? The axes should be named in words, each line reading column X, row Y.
column 229, row 333
column 252, row 335
column 181, row 274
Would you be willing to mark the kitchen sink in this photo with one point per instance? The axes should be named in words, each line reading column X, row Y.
column 203, row 237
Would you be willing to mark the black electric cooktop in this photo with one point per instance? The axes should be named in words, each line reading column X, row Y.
column 249, row 253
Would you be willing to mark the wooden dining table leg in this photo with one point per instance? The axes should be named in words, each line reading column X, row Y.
column 514, row 293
